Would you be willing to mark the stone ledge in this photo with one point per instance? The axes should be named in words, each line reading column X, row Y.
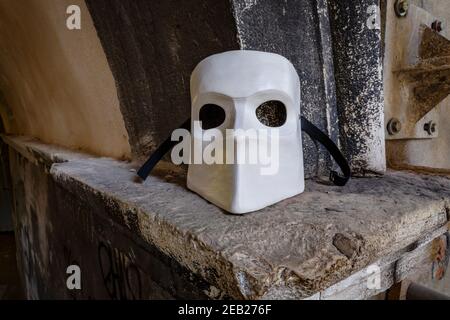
column 295, row 249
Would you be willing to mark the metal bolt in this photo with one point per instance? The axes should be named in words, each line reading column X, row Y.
column 437, row 26
column 430, row 127
column 394, row 126
column 401, row 8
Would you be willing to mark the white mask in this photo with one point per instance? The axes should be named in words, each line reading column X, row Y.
column 255, row 92
column 234, row 84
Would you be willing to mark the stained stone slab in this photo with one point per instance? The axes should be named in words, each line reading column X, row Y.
column 297, row 248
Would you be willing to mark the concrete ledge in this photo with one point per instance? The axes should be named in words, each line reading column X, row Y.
column 295, row 249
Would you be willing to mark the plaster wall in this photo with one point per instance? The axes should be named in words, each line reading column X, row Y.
column 55, row 82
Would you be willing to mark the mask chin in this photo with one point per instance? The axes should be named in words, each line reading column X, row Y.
column 240, row 189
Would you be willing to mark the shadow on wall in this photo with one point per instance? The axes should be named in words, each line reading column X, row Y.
column 10, row 284
column 5, row 186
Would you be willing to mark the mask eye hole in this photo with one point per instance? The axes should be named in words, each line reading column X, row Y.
column 272, row 113
column 211, row 116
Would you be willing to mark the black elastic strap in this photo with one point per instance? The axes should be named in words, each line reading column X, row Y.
column 316, row 134
column 307, row 126
column 164, row 148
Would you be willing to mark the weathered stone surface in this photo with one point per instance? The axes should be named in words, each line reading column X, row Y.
column 56, row 227
column 293, row 249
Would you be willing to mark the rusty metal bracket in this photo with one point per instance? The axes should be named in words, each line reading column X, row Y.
column 417, row 74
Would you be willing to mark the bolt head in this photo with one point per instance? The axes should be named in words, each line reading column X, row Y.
column 437, row 26
column 430, row 127
column 401, row 8
column 394, row 126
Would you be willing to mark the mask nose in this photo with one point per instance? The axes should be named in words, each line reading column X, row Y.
column 239, row 113
column 237, row 135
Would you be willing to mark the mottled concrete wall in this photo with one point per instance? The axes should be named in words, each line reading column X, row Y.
column 356, row 34
column 58, row 85
column 55, row 83
column 58, row 225
column 153, row 48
